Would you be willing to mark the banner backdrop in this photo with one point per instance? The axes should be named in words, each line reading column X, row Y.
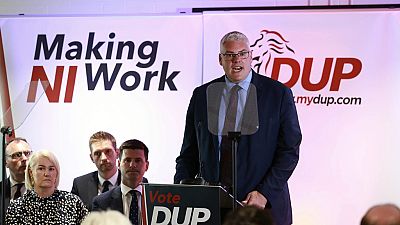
column 130, row 76
column 133, row 76
column 344, row 69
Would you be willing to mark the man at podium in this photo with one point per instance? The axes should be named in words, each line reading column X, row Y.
column 265, row 159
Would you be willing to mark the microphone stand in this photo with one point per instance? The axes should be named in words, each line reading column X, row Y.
column 234, row 136
column 5, row 131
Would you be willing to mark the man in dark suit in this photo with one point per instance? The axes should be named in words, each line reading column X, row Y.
column 17, row 153
column 267, row 158
column 104, row 154
column 127, row 197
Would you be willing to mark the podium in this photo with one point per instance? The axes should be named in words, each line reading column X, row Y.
column 180, row 204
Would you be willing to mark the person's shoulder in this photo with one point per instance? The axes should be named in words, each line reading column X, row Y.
column 19, row 202
column 107, row 194
column 205, row 86
column 267, row 82
column 66, row 195
column 86, row 176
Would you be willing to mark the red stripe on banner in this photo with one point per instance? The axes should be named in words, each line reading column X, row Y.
column 144, row 209
column 4, row 93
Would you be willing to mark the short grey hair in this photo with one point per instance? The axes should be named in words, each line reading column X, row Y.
column 233, row 36
column 33, row 160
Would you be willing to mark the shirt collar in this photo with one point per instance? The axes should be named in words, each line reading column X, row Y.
column 244, row 84
column 13, row 182
column 112, row 179
column 125, row 189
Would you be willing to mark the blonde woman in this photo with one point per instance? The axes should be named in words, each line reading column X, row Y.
column 43, row 203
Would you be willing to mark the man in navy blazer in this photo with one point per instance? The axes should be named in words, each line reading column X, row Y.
column 133, row 164
column 267, row 158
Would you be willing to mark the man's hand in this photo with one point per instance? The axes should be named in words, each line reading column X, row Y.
column 256, row 199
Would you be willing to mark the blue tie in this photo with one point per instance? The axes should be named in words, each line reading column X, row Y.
column 134, row 209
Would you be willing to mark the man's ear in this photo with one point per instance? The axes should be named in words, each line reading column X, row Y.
column 220, row 59
column 91, row 157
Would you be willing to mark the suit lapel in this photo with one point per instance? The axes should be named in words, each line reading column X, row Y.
column 93, row 185
column 116, row 199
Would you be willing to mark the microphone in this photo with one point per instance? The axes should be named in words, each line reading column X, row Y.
column 6, row 130
column 198, row 180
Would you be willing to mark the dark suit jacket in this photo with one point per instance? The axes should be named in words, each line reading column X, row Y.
column 86, row 186
column 266, row 159
column 109, row 200
column 8, row 191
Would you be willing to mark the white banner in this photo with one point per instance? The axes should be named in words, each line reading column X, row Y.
column 344, row 69
column 130, row 76
column 133, row 76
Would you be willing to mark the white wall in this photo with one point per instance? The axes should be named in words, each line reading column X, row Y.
column 43, row 7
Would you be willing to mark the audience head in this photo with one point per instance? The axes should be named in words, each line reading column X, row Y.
column 133, row 162
column 249, row 215
column 42, row 171
column 109, row 217
column 385, row 214
column 104, row 153
column 17, row 153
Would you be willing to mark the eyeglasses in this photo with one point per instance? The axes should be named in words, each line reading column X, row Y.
column 240, row 55
column 18, row 155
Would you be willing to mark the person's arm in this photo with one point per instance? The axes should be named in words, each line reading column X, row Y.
column 187, row 163
column 74, row 189
column 287, row 151
column 81, row 210
column 95, row 205
column 13, row 214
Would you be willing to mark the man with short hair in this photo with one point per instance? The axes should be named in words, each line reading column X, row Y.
column 17, row 153
column 385, row 214
column 127, row 197
column 265, row 159
column 104, row 154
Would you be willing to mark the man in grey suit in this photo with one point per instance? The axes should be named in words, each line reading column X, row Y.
column 104, row 154
column 127, row 197
column 17, row 153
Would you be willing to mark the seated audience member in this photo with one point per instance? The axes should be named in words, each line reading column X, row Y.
column 385, row 214
column 127, row 197
column 43, row 203
column 109, row 217
column 249, row 215
column 17, row 153
column 104, row 154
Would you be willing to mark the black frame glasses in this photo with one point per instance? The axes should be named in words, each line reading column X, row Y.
column 240, row 55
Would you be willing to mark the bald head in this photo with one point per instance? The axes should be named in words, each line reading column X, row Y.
column 386, row 214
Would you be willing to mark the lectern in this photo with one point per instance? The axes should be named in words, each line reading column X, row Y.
column 164, row 204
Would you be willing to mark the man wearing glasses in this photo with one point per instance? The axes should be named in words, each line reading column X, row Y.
column 17, row 154
column 265, row 159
